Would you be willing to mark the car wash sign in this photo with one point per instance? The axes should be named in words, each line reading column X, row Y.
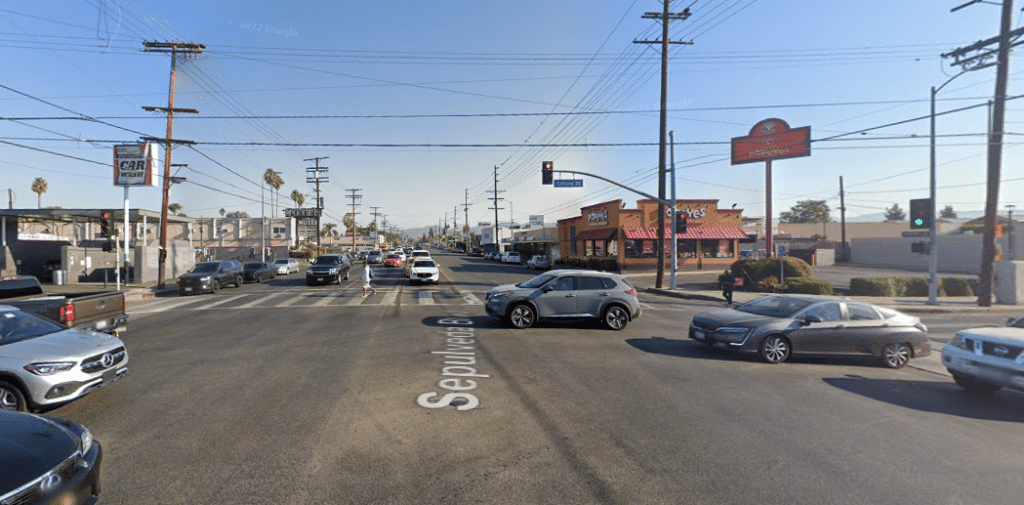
column 771, row 139
column 135, row 164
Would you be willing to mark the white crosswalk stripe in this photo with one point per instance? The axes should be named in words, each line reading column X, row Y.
column 425, row 298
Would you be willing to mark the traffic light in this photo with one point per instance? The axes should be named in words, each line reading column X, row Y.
column 921, row 214
column 547, row 172
column 681, row 224
column 105, row 223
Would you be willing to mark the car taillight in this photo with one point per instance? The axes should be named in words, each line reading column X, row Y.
column 631, row 291
column 67, row 313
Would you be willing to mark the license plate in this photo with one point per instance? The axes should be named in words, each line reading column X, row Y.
column 318, row 279
column 699, row 335
column 101, row 325
column 188, row 289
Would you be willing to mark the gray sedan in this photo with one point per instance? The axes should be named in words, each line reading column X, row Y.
column 566, row 294
column 777, row 326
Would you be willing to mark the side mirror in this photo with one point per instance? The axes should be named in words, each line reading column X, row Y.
column 808, row 319
column 547, row 288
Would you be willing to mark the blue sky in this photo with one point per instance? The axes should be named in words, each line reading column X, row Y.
column 416, row 102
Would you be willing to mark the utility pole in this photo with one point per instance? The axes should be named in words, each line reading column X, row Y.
column 465, row 210
column 995, row 138
column 842, row 219
column 316, row 175
column 665, row 16
column 495, row 208
column 175, row 49
column 354, row 196
column 455, row 223
column 375, row 230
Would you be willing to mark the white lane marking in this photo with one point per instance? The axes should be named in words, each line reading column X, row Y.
column 325, row 298
column 356, row 300
column 389, row 298
column 291, row 301
column 221, row 301
column 426, row 297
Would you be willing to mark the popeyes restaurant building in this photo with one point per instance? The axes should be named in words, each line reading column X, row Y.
column 608, row 229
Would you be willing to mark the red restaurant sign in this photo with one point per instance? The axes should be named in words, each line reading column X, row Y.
column 771, row 139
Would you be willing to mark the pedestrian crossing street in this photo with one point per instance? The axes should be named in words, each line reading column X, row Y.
column 305, row 297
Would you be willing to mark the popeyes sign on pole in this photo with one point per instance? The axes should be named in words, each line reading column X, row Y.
column 771, row 139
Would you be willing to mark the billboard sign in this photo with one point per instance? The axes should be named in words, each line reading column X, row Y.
column 135, row 164
column 771, row 139
column 537, row 221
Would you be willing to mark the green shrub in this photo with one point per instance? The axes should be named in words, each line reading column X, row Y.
column 957, row 286
column 769, row 285
column 755, row 273
column 871, row 286
column 808, row 286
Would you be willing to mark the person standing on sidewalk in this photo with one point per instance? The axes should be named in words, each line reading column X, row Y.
column 367, row 275
column 728, row 282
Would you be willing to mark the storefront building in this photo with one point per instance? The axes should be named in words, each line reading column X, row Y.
column 631, row 235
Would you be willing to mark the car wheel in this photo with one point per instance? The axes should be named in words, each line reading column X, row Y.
column 522, row 316
column 616, row 318
column 975, row 386
column 11, row 398
column 895, row 355
column 774, row 349
column 214, row 286
column 239, row 281
column 346, row 274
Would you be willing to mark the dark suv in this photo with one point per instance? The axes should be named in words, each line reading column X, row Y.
column 210, row 276
column 328, row 269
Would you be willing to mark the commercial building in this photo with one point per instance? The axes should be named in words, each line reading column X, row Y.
column 630, row 235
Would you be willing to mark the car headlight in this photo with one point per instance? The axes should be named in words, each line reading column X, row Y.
column 86, row 440
column 733, row 334
column 960, row 342
column 335, row 271
column 206, row 279
column 49, row 368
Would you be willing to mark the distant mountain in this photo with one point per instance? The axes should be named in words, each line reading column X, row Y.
column 880, row 216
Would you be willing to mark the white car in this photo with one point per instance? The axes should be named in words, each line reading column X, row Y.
column 286, row 266
column 423, row 271
column 984, row 360
column 415, row 255
column 511, row 257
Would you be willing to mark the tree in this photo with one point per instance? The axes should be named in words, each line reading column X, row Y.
column 298, row 198
column 895, row 213
column 174, row 208
column 328, row 228
column 273, row 180
column 222, row 211
column 349, row 221
column 238, row 214
column 947, row 212
column 807, row 211
column 39, row 187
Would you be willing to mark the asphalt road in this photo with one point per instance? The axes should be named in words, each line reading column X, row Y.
column 282, row 393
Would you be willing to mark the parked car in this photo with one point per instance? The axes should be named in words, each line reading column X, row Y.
column 286, row 266
column 44, row 364
column 47, row 460
column 393, row 260
column 511, row 257
column 375, row 257
column 538, row 262
column 423, row 271
column 328, row 269
column 985, row 360
column 258, row 271
column 566, row 294
column 210, row 276
column 98, row 311
column 775, row 327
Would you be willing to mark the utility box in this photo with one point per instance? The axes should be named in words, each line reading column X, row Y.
column 1008, row 284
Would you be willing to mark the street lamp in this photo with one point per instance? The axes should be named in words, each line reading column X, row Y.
column 933, row 246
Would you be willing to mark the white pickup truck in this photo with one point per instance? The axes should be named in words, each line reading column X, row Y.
column 984, row 360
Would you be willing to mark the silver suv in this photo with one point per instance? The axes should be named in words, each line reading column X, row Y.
column 43, row 364
column 566, row 294
column 983, row 360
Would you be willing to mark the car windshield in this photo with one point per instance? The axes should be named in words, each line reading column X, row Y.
column 281, row 262
column 253, row 266
column 326, row 260
column 393, row 256
column 423, row 264
column 537, row 281
column 1017, row 323
column 202, row 268
column 774, row 306
column 16, row 325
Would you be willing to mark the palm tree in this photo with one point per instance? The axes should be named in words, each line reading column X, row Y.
column 39, row 187
column 275, row 181
column 174, row 208
column 298, row 198
column 222, row 211
column 328, row 228
column 238, row 214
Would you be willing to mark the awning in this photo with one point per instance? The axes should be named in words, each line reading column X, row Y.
column 692, row 233
column 604, row 234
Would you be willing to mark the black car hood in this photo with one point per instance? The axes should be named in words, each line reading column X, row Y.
column 732, row 317
column 196, row 275
column 30, row 446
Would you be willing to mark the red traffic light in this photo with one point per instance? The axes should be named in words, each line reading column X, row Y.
column 547, row 172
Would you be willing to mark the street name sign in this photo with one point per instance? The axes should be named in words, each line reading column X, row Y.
column 568, row 183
